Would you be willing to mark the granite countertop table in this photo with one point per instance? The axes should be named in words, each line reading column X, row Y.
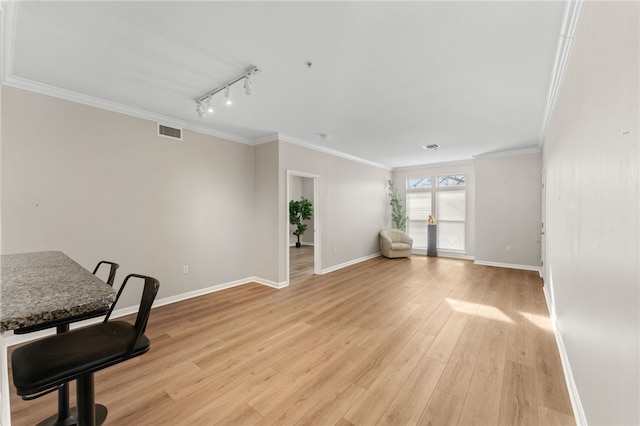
column 37, row 288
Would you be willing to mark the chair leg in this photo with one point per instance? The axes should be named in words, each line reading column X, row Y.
column 86, row 401
column 88, row 413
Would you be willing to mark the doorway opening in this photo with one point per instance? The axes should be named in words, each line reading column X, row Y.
column 303, row 262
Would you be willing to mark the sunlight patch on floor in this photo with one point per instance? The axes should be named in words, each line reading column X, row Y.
column 540, row 321
column 480, row 310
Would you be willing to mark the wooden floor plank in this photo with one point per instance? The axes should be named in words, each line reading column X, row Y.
column 377, row 397
column 421, row 340
column 443, row 409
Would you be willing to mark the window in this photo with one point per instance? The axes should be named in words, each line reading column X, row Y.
column 451, row 180
column 423, row 182
column 448, row 200
column 418, row 211
column 450, row 217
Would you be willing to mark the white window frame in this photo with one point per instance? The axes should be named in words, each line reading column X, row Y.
column 434, row 189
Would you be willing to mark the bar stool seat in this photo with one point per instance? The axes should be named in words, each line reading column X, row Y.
column 47, row 363
column 44, row 365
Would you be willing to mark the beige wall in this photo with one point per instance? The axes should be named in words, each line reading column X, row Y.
column 352, row 204
column 266, row 241
column 102, row 185
column 591, row 161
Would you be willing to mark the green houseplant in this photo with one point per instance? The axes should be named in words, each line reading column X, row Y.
column 398, row 213
column 300, row 211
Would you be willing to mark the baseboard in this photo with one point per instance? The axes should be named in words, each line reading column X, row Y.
column 349, row 263
column 508, row 265
column 447, row 254
column 14, row 339
column 302, row 243
column 269, row 283
column 574, row 396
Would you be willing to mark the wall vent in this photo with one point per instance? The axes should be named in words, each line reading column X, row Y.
column 169, row 132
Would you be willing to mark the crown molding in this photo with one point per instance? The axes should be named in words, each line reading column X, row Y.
column 510, row 153
column 266, row 139
column 7, row 24
column 435, row 165
column 568, row 29
column 301, row 142
column 68, row 95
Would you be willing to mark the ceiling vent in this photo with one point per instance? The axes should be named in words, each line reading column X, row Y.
column 169, row 132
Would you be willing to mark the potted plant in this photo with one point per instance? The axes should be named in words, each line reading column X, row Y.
column 298, row 212
column 398, row 213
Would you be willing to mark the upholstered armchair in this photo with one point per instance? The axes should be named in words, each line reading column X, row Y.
column 395, row 243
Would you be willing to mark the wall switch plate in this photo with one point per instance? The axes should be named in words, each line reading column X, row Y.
column 508, row 248
column 185, row 269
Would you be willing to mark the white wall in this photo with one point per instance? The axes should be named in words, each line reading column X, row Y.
column 508, row 210
column 591, row 160
column 102, row 185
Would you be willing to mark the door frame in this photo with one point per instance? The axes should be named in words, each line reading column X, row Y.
column 316, row 221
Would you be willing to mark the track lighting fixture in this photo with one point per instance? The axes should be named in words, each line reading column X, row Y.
column 207, row 99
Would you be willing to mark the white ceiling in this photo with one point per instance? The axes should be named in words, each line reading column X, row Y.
column 387, row 77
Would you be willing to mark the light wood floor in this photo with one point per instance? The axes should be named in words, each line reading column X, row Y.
column 300, row 264
column 429, row 341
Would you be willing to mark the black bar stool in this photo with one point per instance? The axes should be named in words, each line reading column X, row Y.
column 67, row 416
column 44, row 365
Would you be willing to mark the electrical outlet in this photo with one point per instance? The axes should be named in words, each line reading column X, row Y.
column 334, row 249
column 508, row 248
column 185, row 269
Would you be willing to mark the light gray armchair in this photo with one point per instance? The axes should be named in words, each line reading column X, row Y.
column 395, row 243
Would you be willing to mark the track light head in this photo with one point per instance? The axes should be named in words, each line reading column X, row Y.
column 200, row 109
column 248, row 87
column 227, row 99
column 210, row 104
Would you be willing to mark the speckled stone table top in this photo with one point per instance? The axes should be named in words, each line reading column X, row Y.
column 39, row 287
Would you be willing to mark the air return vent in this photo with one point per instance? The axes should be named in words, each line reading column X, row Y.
column 169, row 132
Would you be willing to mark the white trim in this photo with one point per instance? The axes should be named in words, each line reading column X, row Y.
column 317, row 226
column 7, row 38
column 270, row 283
column 274, row 137
column 442, row 253
column 568, row 29
column 574, row 396
column 508, row 265
column 349, row 263
column 510, row 153
column 302, row 142
column 434, row 165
